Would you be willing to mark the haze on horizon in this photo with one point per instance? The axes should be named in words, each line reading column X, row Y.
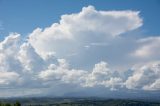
column 79, row 48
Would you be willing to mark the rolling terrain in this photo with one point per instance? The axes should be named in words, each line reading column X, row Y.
column 75, row 102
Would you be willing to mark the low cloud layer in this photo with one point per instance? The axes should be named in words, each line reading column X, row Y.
column 46, row 62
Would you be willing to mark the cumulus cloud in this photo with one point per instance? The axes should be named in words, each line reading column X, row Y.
column 29, row 59
column 101, row 75
column 80, row 29
column 19, row 62
column 23, row 67
column 61, row 73
column 145, row 77
column 41, row 62
column 8, row 53
column 7, row 78
column 154, row 86
column 8, row 61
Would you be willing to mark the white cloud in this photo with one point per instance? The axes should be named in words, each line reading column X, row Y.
column 24, row 68
column 62, row 78
column 19, row 63
column 62, row 73
column 154, row 86
column 145, row 77
column 7, row 78
column 114, row 83
column 77, row 30
column 149, row 47
column 29, row 59
column 101, row 75
column 8, row 53
column 35, row 64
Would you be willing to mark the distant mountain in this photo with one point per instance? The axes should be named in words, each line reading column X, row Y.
column 119, row 94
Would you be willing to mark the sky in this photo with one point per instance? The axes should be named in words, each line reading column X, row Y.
column 80, row 48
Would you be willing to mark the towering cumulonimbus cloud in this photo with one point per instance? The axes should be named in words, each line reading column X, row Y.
column 81, row 29
column 40, row 64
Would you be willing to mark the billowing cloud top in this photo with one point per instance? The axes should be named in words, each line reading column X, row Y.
column 80, row 29
column 64, row 54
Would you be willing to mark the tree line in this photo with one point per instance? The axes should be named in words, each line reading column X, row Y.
column 10, row 104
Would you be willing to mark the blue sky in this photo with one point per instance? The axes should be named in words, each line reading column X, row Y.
column 24, row 16
column 80, row 48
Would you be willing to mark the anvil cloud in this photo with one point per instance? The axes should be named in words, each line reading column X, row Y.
column 49, row 58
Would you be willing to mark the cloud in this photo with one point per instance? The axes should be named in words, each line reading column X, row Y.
column 8, row 53
column 44, row 63
column 7, row 78
column 19, row 63
column 154, row 86
column 104, row 76
column 62, row 73
column 83, row 28
column 29, row 59
column 22, row 67
column 145, row 77
column 149, row 48
column 8, row 61
column 101, row 75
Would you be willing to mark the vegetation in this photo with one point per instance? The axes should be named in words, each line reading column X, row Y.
column 77, row 102
column 10, row 104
